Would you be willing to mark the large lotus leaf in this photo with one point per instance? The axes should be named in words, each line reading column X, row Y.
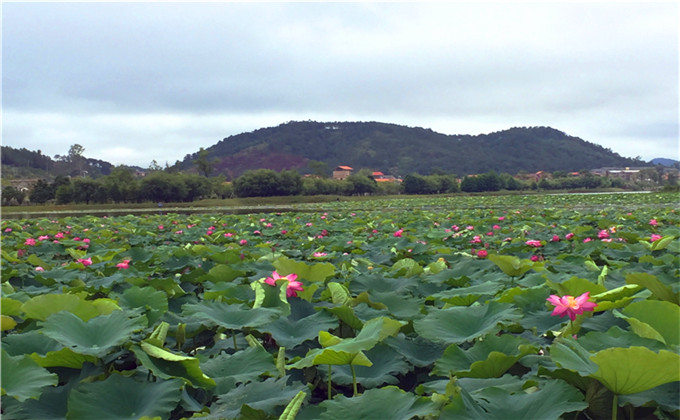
column 383, row 403
column 315, row 272
column 168, row 365
column 489, row 357
column 152, row 301
column 266, row 396
column 241, row 367
column 10, row 307
column 652, row 282
column 95, row 337
column 380, row 283
column 655, row 319
column 119, row 397
column 230, row 316
column 386, row 363
column 347, row 315
column 404, row 307
column 51, row 405
column 666, row 396
column 290, row 332
column 22, row 378
column 576, row 286
column 417, row 350
column 457, row 295
column 569, row 354
column 635, row 369
column 406, row 267
column 63, row 358
column 338, row 351
column 42, row 306
column 595, row 341
column 227, row 292
column 511, row 265
column 29, row 342
column 222, row 273
column 7, row 323
column 273, row 297
column 550, row 401
column 460, row 324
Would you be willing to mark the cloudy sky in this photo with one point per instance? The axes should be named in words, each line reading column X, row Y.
column 136, row 82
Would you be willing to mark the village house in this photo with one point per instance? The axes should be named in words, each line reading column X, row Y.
column 341, row 172
column 381, row 177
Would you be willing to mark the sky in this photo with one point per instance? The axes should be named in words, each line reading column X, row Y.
column 134, row 82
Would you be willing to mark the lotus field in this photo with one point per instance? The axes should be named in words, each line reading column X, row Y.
column 534, row 307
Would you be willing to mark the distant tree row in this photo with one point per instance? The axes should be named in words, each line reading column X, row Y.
column 122, row 186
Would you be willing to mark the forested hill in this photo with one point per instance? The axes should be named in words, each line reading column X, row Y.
column 400, row 150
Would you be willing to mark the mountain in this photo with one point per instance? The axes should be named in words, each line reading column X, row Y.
column 664, row 162
column 400, row 150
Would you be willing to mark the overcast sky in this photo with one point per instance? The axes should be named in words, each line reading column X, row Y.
column 136, row 82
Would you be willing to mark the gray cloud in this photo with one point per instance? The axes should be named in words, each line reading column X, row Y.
column 178, row 76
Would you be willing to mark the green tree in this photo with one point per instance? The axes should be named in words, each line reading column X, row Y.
column 362, row 184
column 290, row 183
column 204, row 163
column 257, row 183
column 84, row 190
column 318, row 168
column 41, row 192
column 11, row 195
column 76, row 159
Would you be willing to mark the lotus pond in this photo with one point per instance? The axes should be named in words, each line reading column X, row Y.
column 429, row 308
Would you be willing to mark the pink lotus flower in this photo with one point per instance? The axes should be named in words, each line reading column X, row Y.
column 496, row 227
column 655, row 237
column 228, row 235
column 482, row 253
column 8, row 230
column 59, row 235
column 29, row 242
column 123, row 265
column 398, row 233
column 603, row 234
column 653, row 222
column 476, row 240
column 85, row 261
column 568, row 236
column 284, row 231
column 160, row 227
column 308, row 224
column 319, row 254
column 534, row 243
column 243, row 242
column 555, row 238
column 39, row 269
column 293, row 287
column 43, row 237
column 571, row 306
column 470, row 227
column 587, row 240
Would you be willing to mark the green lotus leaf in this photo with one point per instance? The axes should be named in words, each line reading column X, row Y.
column 453, row 296
column 266, row 396
column 338, row 351
column 23, row 378
column 553, row 399
column 460, row 324
column 347, row 315
column 635, row 369
column 95, row 337
column 665, row 396
column 51, row 405
column 168, row 365
column 29, row 342
column 652, row 282
column 63, row 358
column 383, row 403
column 241, row 367
column 42, row 306
column 595, row 341
column 406, row 267
column 152, row 301
column 7, row 323
column 490, row 357
column 569, row 354
column 267, row 296
column 655, row 319
column 576, row 286
column 230, row 316
column 511, row 265
column 417, row 350
column 227, row 292
column 386, row 364
column 119, row 397
column 616, row 294
column 10, row 307
column 315, row 272
column 222, row 273
column 290, row 332
column 339, row 293
column 404, row 307
column 662, row 243
column 293, row 406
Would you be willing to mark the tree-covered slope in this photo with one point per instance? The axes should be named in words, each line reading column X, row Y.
column 401, row 150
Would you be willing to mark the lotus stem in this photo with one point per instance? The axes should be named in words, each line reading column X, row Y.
column 233, row 336
column 354, row 380
column 329, row 381
column 615, row 406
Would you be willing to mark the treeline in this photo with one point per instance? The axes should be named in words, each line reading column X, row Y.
column 121, row 186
